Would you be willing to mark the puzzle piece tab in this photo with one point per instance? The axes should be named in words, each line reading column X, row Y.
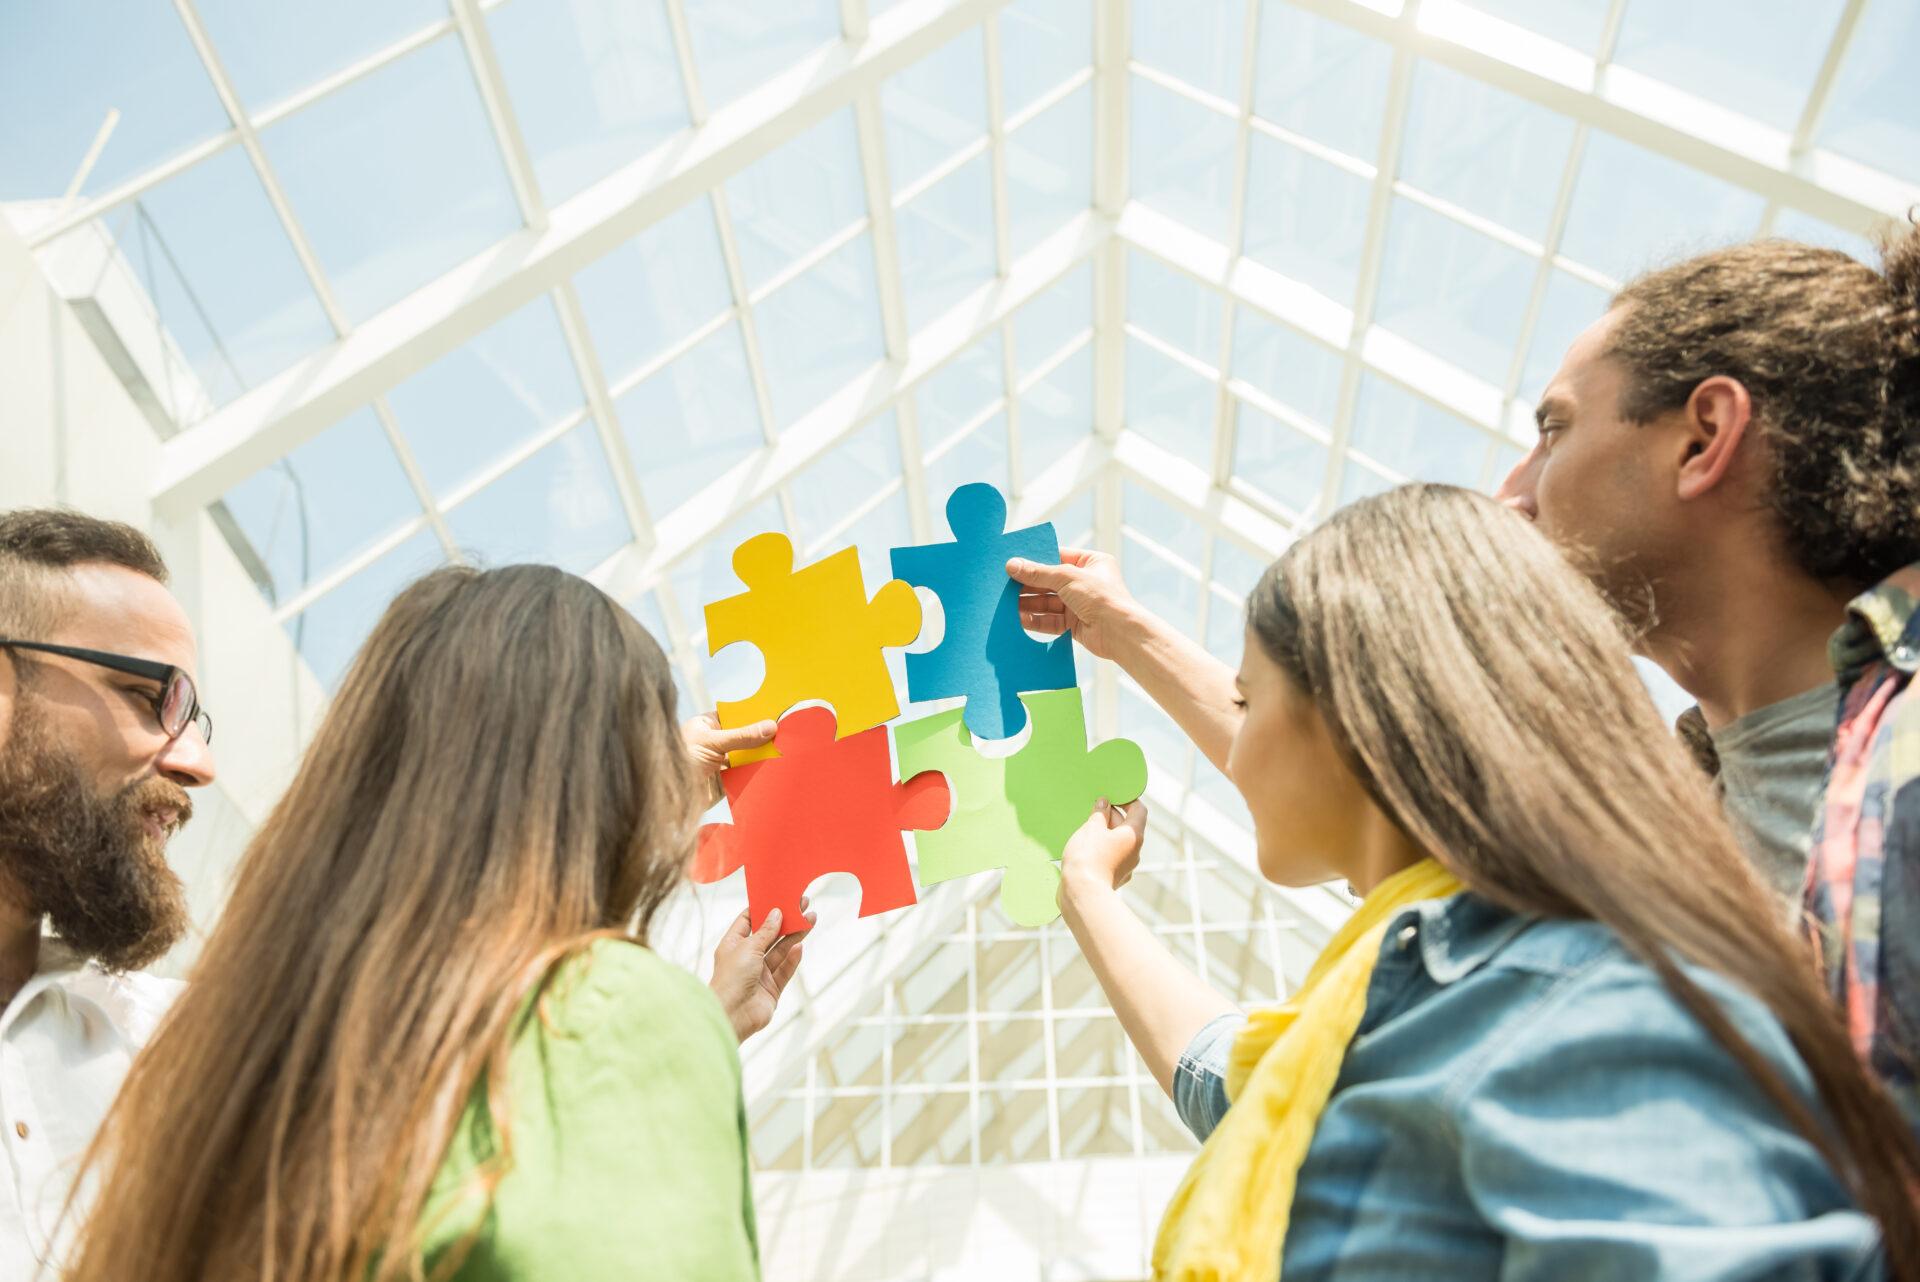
column 820, row 636
column 985, row 654
column 1017, row 812
column 824, row 805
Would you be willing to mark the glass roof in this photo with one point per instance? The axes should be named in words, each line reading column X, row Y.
column 618, row 283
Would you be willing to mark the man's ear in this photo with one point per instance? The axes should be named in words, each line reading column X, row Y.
column 1716, row 418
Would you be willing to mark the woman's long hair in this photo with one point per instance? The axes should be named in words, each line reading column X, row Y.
column 1483, row 693
column 499, row 781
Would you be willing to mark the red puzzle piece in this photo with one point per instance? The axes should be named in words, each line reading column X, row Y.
column 823, row 805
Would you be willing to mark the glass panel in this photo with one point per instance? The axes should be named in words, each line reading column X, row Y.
column 466, row 411
column 946, row 241
column 980, row 455
column 64, row 66
column 560, row 506
column 1277, row 460
column 935, row 108
column 1182, row 158
column 1758, row 58
column 326, row 502
column 1576, row 23
column 821, row 330
column 1169, row 404
column 1050, row 170
column 797, row 197
column 329, row 632
column 1056, row 414
column 1172, row 305
column 1197, row 40
column 1633, row 209
column 1165, row 589
column 1794, row 225
column 1870, row 116
column 706, row 574
column 1313, row 216
column 1568, row 308
column 1321, row 80
column 739, row 44
column 222, row 276
column 594, row 84
column 933, row 1129
column 1060, row 315
column 648, row 294
column 1142, row 721
column 1459, row 294
column 1393, row 426
column 1236, row 569
column 889, row 525
column 395, row 178
column 1484, row 150
column 827, row 492
column 1074, row 523
column 271, row 52
column 1171, row 529
column 1042, row 44
column 1013, row 1125
column 1287, row 365
column 1357, row 481
column 960, row 391
column 691, row 422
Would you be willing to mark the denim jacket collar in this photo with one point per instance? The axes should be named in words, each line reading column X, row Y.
column 1457, row 935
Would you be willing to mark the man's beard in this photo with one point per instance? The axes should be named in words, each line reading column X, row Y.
column 88, row 862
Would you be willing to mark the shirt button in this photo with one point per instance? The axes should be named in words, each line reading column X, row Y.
column 20, row 1129
column 1406, row 937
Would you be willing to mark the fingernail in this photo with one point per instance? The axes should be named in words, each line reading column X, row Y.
column 773, row 918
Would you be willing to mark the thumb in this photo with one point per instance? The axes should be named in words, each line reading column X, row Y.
column 753, row 736
column 1035, row 574
column 769, row 931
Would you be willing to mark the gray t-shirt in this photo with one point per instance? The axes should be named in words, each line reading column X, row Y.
column 1773, row 765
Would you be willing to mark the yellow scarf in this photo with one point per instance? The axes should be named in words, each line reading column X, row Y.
column 1228, row 1218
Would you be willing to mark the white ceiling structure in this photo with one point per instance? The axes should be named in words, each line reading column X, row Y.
column 615, row 283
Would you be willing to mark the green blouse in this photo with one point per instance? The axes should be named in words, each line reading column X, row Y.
column 628, row 1138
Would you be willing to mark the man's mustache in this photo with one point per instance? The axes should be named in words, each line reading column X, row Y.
column 160, row 797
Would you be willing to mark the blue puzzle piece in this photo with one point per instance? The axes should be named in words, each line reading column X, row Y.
column 985, row 654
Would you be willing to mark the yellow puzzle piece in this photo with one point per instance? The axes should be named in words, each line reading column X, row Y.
column 820, row 636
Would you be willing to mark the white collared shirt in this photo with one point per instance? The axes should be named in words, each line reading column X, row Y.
column 66, row 1042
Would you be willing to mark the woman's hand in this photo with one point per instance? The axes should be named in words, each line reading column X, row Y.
column 1084, row 595
column 709, row 745
column 1102, row 855
column 751, row 969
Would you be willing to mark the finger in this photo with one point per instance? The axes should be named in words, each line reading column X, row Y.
column 1134, row 816
column 769, row 931
column 782, row 971
column 1035, row 575
column 756, row 735
column 1042, row 601
column 1051, row 624
column 1078, row 556
column 742, row 926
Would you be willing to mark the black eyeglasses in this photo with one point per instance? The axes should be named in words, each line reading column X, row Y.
column 178, row 703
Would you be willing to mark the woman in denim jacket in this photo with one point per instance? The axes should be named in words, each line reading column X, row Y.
column 1566, row 1035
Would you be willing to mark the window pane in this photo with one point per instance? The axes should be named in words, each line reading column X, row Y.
column 1459, row 294
column 1758, row 57
column 271, row 52
column 1237, row 570
column 64, row 66
column 1170, row 304
column 649, row 293
column 960, row 391
column 1286, row 365
column 1569, row 307
column 1311, row 217
column 560, row 506
column 1056, row 414
column 395, row 177
column 1357, row 482
column 1484, row 150
column 1197, row 40
column 797, row 197
column 1182, row 158
column 1278, row 461
column 739, row 44
column 692, row 421
column 1794, row 225
column 1050, row 170
column 1633, row 209
column 1169, row 404
column 594, row 84
column 1164, row 588
column 829, row 490
column 935, row 108
column 329, row 632
column 1575, row 23
column 1158, row 521
column 1393, row 426
column 1870, row 116
column 1321, row 80
column 946, row 241
column 326, row 502
column 821, row 330
column 980, row 455
column 1043, row 43
column 1055, row 318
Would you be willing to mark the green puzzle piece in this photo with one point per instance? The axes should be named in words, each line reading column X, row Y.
column 1017, row 812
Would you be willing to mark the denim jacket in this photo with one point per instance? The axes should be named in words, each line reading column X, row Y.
column 1524, row 1100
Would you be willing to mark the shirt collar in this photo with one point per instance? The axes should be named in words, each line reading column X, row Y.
column 1456, row 935
column 1882, row 623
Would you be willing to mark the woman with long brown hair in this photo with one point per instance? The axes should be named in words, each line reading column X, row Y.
column 1566, row 1034
column 426, row 1038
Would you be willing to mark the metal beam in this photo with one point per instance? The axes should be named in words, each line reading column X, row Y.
column 264, row 424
